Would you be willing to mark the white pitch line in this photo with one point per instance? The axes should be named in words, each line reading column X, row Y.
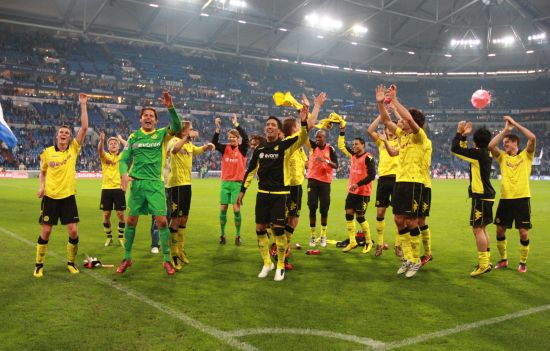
column 462, row 328
column 323, row 333
column 216, row 333
column 229, row 337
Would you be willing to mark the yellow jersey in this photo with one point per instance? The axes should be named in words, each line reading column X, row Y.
column 60, row 168
column 110, row 170
column 181, row 163
column 427, row 164
column 296, row 164
column 387, row 164
column 411, row 156
column 515, row 171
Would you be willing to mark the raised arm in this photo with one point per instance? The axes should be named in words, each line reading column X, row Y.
column 83, row 98
column 342, row 142
column 216, row 137
column 493, row 145
column 121, row 140
column 175, row 121
column 297, row 140
column 245, row 141
column 318, row 102
column 380, row 92
column 371, row 131
column 402, row 110
column 123, row 166
column 100, row 149
column 531, row 138
column 390, row 149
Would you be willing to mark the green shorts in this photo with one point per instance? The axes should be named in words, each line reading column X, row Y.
column 147, row 197
column 229, row 192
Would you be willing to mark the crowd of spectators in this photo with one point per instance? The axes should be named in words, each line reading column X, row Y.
column 41, row 75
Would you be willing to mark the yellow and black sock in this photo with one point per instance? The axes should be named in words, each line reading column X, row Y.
column 501, row 246
column 524, row 250
column 313, row 231
column 173, row 241
column 350, row 227
column 121, row 227
column 263, row 245
column 415, row 244
column 323, row 230
column 405, row 240
column 182, row 232
column 380, row 225
column 107, row 229
column 288, row 232
column 72, row 250
column 41, row 249
column 281, row 242
column 366, row 229
column 426, row 239
column 397, row 238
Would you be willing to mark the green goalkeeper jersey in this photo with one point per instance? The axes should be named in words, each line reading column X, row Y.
column 147, row 150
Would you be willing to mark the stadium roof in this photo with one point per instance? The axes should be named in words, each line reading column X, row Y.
column 402, row 35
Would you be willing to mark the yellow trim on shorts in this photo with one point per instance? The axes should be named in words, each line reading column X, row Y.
column 274, row 192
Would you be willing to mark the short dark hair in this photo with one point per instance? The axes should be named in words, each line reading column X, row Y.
column 279, row 124
column 482, row 137
column 512, row 137
column 418, row 117
column 288, row 124
column 360, row 140
column 261, row 139
column 151, row 109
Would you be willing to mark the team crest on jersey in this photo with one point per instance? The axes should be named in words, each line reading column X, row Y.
column 154, row 136
column 276, row 148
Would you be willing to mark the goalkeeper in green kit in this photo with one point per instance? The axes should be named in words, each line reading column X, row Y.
column 146, row 147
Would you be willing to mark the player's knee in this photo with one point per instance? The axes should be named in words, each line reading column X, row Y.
column 278, row 231
column 161, row 221
column 349, row 217
column 360, row 218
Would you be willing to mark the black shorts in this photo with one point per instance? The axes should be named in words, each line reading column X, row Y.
column 294, row 201
column 407, row 198
column 318, row 194
column 51, row 210
column 426, row 202
column 357, row 202
column 112, row 198
column 180, row 200
column 481, row 213
column 514, row 210
column 271, row 208
column 384, row 190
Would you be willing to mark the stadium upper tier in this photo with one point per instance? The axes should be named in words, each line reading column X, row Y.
column 41, row 65
column 119, row 78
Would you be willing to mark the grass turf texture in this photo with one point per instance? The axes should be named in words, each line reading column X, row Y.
column 353, row 294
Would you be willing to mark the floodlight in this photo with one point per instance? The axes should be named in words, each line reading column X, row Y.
column 237, row 3
column 359, row 29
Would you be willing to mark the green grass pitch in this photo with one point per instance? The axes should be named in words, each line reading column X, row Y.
column 333, row 301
